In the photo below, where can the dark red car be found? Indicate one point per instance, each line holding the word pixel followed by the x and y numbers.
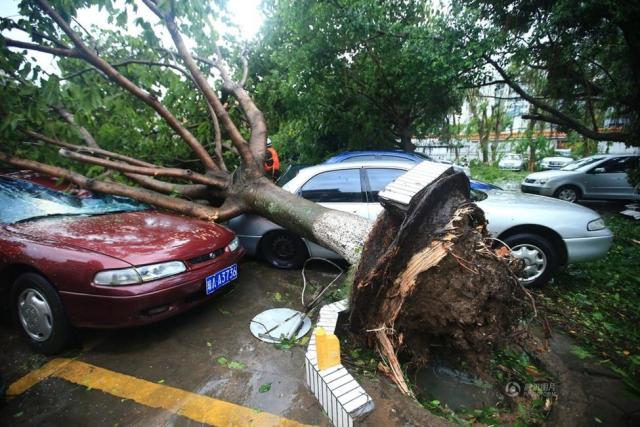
pixel 102 261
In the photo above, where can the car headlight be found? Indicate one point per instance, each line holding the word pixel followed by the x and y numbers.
pixel 158 271
pixel 125 276
pixel 233 245
pixel 145 273
pixel 596 224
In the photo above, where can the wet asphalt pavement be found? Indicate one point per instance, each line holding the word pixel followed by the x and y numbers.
pixel 185 353
pixel 181 352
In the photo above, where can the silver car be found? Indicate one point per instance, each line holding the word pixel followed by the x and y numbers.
pixel 545 232
pixel 603 176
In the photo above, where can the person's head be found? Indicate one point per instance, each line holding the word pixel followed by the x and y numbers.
pixel 269 143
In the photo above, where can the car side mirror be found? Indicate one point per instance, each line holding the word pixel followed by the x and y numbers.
pixel 599 170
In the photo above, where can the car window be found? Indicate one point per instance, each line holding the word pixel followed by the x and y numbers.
pixel 581 163
pixel 334 186
pixel 619 164
pixel 379 178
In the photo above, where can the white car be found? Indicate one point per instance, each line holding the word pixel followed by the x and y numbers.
pixel 545 232
pixel 511 162
pixel 555 162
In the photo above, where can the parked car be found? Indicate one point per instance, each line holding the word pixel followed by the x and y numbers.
pixel 603 176
pixel 102 262
pixel 555 162
pixel 545 232
pixel 511 162
pixel 390 155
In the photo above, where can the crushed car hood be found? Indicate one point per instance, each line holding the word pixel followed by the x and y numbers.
pixel 138 238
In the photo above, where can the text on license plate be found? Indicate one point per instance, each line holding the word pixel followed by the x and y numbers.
pixel 221 278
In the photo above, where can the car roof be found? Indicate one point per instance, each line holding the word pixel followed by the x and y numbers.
pixel 391 153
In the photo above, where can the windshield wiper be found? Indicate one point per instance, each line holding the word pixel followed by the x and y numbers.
pixel 38 217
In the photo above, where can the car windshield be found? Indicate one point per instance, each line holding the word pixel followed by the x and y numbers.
pixel 512 157
pixel 25 201
pixel 582 162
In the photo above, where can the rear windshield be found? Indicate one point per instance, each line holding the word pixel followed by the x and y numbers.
pixel 23 201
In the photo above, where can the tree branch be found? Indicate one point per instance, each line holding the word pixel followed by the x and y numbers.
pixel 84 133
pixel 57 51
pixel 127 84
pixel 150 171
pixel 192 191
pixel 254 116
pixel 211 97
pixel 179 205
pixel 592 134
pixel 91 150
pixel 133 61
pixel 556 116
pixel 217 138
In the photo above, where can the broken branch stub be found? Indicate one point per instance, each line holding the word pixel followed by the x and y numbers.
pixel 429 280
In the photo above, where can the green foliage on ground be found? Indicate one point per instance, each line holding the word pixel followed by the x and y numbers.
pixel 597 303
pixel 495 175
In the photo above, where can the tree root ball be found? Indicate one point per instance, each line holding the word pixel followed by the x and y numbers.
pixel 430 279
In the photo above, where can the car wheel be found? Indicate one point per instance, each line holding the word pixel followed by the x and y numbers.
pixel 284 250
pixel 568 193
pixel 539 255
pixel 40 314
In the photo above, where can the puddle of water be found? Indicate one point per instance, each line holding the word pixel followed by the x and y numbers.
pixel 455 388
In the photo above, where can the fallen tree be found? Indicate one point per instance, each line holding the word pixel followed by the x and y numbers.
pixel 431 278
pixel 226 193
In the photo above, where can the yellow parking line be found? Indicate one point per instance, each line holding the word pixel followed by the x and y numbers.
pixel 34 377
pixel 203 409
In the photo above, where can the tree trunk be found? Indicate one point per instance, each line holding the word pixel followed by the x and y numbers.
pixel 342 232
pixel 405 139
pixel 484 147
pixel 494 151
pixel 431 282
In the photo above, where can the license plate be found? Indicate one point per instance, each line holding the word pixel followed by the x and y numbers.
pixel 221 278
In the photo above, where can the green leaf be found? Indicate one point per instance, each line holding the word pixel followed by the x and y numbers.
pixel 222 360
pixel 265 388
pixel 236 365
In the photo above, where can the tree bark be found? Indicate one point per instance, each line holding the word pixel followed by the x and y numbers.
pixel 342 232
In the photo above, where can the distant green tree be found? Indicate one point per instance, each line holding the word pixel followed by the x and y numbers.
pixel 358 74
pixel 587 54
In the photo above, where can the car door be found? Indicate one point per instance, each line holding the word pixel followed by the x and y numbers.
pixel 375 181
pixel 608 180
pixel 339 189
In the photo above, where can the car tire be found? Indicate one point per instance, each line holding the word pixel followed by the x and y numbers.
pixel 40 314
pixel 539 254
pixel 568 193
pixel 282 249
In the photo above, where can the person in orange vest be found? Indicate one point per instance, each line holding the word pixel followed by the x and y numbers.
pixel 271 162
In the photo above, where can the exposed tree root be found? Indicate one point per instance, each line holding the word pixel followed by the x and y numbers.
pixel 430 279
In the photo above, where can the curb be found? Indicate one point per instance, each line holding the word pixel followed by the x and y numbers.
pixel 339 394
